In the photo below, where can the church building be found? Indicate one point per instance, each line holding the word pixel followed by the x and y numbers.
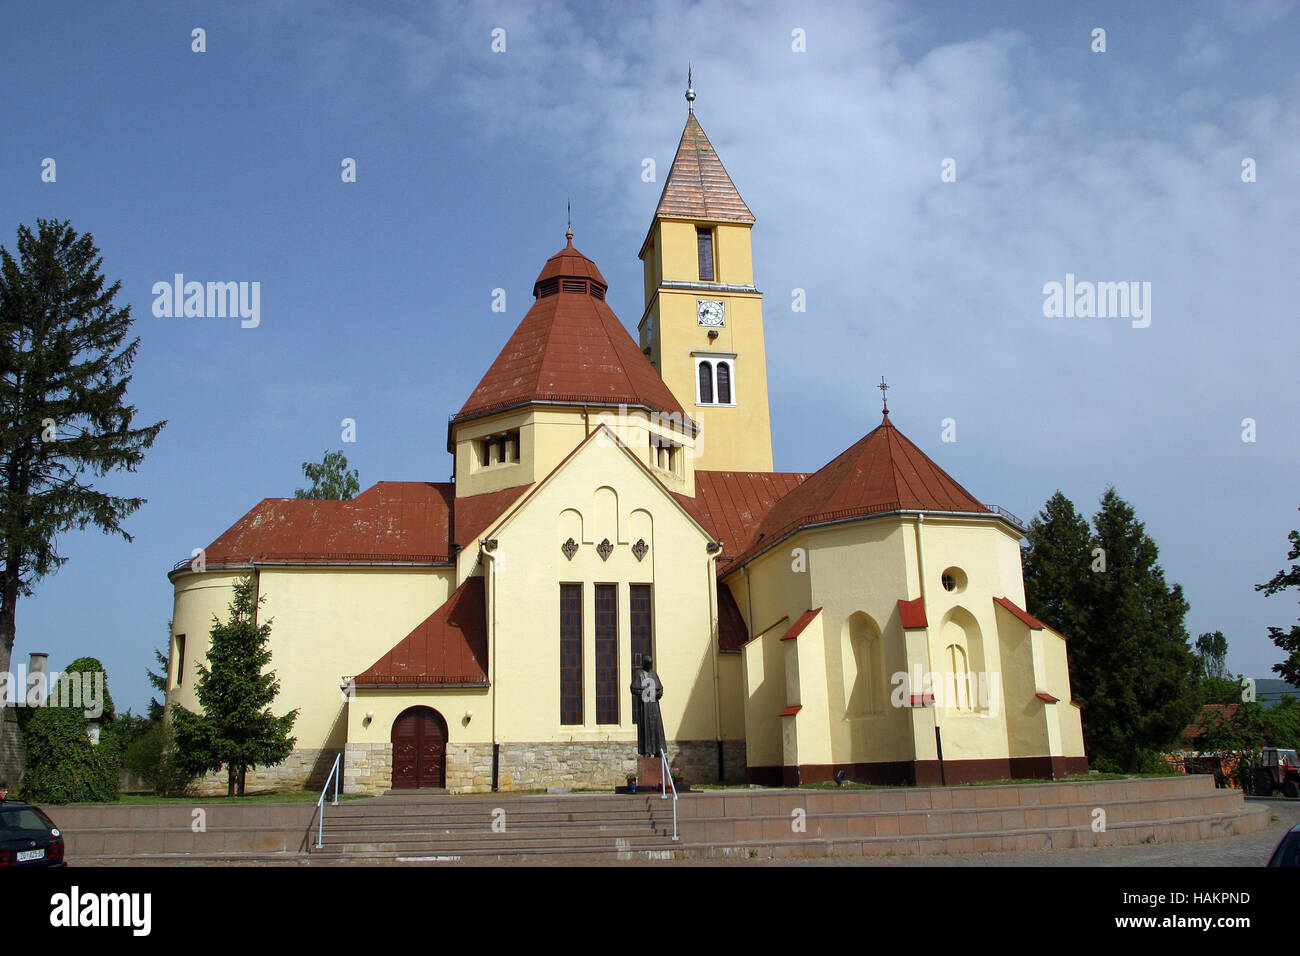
pixel 614 499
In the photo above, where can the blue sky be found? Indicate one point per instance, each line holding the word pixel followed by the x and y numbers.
pixel 376 295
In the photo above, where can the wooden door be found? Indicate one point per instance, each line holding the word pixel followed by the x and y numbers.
pixel 419 750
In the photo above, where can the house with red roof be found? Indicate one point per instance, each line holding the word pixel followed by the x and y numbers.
pixel 614 502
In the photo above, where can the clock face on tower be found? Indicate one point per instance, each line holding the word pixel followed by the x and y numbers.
pixel 712 313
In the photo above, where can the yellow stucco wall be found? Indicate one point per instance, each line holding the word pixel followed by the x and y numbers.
pixel 734 437
pixel 326 624
pixel 600 493
pixel 856 572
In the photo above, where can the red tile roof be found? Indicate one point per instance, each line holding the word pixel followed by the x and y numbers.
pixel 447 647
pixel 912 613
pixel 1198 728
pixel 698 186
pixel 399 521
pixel 732 633
pixel 882 472
pixel 1028 619
pixel 476 514
pixel 797 627
pixel 412 522
pixel 732 503
pixel 570 348
pixel 791 710
pixel 1046 697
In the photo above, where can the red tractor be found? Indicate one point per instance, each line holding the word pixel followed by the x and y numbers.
pixel 1279 770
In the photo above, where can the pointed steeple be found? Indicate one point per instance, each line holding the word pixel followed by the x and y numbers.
pixel 698 186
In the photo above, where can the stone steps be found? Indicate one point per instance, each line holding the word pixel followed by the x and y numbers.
pixel 416 827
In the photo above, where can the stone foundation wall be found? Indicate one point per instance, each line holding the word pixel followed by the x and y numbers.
pixel 582 764
pixel 301 770
pixel 469 767
pixel 13 755
pixel 368 768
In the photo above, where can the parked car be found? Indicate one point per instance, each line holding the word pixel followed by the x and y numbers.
pixel 1288 849
pixel 28 837
pixel 1279 770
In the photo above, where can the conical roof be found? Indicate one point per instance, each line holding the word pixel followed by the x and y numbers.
pixel 570 348
pixel 698 186
pixel 881 472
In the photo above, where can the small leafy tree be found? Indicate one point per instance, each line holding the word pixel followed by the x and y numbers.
pixel 1212 649
pixel 330 479
pixel 155 759
pixel 1287 641
pixel 236 729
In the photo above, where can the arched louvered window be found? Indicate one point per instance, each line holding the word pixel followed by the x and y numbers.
pixel 724 383
pixel 706 383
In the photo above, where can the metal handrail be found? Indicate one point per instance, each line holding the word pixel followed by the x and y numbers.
pixel 668 772
pixel 320 804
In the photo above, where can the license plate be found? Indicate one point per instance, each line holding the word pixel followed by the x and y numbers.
pixel 26 855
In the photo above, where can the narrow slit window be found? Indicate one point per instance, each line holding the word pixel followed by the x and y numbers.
pixel 570 653
pixel 724 383
pixel 704 243
pixel 607 687
pixel 706 383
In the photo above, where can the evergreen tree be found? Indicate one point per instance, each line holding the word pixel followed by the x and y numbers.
pixel 236 729
pixel 64 368
pixel 1145 692
pixel 158 708
pixel 1057 562
pixel 330 479
pixel 1288 642
pixel 1131 666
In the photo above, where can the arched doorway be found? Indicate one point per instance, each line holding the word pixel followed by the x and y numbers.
pixel 419 749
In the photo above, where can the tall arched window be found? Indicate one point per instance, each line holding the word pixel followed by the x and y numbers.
pixel 724 383
pixel 706 383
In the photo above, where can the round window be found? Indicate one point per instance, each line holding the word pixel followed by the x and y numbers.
pixel 954 580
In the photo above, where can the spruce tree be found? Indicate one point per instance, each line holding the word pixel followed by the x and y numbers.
pixel 1145 690
pixel 65 365
pixel 236 729
pixel 1057 563
pixel 1288 642
pixel 1131 666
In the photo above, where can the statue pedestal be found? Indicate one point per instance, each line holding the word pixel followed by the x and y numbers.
pixel 649 773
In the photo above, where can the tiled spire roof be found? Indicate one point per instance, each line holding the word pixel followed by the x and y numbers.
pixel 698 186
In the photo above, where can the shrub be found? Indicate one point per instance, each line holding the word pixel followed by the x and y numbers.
pixel 154 757
pixel 63 766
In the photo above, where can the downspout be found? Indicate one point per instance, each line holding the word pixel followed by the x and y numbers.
pixel 486 547
pixel 929 660
pixel 710 566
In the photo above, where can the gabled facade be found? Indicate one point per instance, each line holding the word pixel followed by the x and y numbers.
pixel 615 499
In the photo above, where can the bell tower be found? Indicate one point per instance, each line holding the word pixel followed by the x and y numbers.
pixel 702 328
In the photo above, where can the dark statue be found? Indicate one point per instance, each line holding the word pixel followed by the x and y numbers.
pixel 646 691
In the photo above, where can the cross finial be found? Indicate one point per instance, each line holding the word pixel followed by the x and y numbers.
pixel 690 90
pixel 568 233
pixel 884 399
